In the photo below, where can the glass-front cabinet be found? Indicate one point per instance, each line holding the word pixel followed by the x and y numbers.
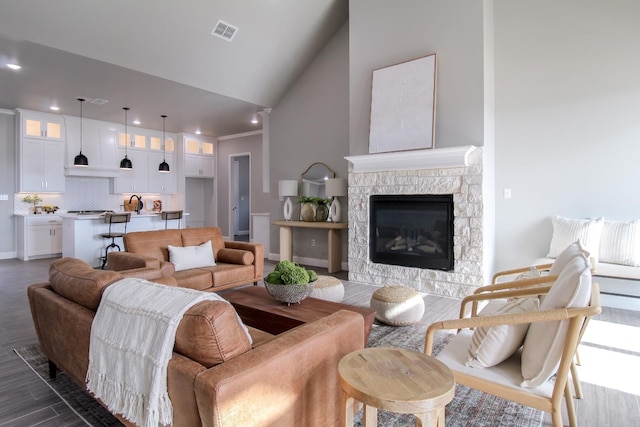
pixel 199 158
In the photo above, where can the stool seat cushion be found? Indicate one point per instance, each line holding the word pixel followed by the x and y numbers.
pixel 397 305
pixel 328 288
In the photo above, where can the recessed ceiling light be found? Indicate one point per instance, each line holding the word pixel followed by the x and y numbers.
pixel 54 108
pixel 198 132
pixel 254 120
pixel 136 122
pixel 14 66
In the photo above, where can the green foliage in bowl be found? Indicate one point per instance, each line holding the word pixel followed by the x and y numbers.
pixel 290 273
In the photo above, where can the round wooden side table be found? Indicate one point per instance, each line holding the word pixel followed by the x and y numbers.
pixel 396 380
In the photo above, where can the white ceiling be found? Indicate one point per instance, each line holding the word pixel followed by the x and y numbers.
pixel 159 57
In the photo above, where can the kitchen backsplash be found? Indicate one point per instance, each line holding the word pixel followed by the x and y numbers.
pixel 86 194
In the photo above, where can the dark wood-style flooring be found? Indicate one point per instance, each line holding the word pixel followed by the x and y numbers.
pixel 610 356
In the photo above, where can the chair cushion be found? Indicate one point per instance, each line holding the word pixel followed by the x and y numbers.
pixel 492 345
pixel 184 258
pixel 77 281
pixel 572 250
pixel 545 341
pixel 211 333
pixel 620 242
pixel 566 231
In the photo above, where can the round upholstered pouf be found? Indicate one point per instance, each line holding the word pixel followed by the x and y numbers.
pixel 397 305
pixel 328 288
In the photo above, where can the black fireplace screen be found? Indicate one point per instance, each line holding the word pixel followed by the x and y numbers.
pixel 412 230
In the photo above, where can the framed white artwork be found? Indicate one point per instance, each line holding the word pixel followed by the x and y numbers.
pixel 403 100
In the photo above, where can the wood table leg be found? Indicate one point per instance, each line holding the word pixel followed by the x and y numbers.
pixel 286 243
pixel 370 416
pixel 346 409
pixel 335 250
pixel 428 419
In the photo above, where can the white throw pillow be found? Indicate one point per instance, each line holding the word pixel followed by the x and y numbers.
pixel 620 242
pixel 566 255
pixel 492 345
pixel 567 231
pixel 544 342
pixel 188 257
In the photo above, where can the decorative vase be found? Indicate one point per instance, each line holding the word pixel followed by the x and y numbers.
pixel 322 213
pixel 308 211
pixel 289 293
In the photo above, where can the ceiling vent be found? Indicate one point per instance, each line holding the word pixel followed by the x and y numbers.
pixel 224 30
pixel 98 101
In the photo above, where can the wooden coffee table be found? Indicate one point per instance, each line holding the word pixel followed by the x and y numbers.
pixel 258 309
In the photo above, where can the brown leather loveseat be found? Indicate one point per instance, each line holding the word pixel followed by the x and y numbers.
pixel 237 263
pixel 215 377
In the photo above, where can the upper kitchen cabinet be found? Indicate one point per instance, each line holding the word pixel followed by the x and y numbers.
pixel 99 144
pixel 38 125
pixel 199 158
pixel 40 157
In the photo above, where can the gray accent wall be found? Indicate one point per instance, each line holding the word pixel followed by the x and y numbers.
pixel 7 184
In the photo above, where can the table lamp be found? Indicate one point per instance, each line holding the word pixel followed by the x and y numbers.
pixel 287 188
pixel 335 187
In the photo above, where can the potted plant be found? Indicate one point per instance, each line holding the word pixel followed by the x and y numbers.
pixel 314 208
pixel 33 198
pixel 289 282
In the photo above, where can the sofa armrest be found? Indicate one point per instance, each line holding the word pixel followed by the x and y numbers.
pixel 119 261
pixel 258 253
pixel 291 380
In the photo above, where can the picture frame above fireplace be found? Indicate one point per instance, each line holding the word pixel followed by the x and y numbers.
pixel 403 101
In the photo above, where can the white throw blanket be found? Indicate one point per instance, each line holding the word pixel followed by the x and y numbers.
pixel 132 338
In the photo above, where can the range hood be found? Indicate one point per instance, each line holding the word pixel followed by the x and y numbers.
pixel 91 171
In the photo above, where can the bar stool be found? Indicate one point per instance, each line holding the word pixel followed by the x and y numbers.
pixel 114 218
pixel 171 215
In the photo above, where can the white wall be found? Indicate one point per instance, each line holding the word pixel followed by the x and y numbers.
pixel 384 33
pixel 311 124
pixel 7 184
pixel 567 117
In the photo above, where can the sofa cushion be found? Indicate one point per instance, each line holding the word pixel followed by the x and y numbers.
pixel 210 333
pixel 566 231
pixel 620 242
pixel 224 274
pixel 197 236
pixel 186 257
pixel 544 342
pixel 236 256
pixel 152 243
pixel 77 281
pixel 194 278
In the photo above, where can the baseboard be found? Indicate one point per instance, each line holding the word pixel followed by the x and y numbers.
pixel 8 255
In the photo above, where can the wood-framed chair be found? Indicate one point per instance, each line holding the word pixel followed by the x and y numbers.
pixel 504 380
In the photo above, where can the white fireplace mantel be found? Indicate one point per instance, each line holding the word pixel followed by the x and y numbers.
pixel 437 158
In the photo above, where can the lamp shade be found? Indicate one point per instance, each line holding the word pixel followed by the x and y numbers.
pixel 335 187
pixel 287 187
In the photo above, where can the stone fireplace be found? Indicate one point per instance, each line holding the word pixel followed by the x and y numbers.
pixel 456 171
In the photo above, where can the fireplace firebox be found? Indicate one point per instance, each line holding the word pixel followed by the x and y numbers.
pixel 412 230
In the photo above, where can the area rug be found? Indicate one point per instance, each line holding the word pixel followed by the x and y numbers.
pixel 468 408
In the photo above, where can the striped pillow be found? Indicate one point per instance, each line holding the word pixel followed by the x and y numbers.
pixel 492 345
pixel 566 231
pixel 620 242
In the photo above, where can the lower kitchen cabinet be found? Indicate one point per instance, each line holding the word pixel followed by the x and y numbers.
pixel 39 236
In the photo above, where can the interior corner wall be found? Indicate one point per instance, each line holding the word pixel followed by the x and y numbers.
pixel 384 33
pixel 7 184
pixel 226 148
pixel 310 124
pixel 567 118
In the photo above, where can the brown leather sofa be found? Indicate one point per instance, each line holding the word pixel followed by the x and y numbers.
pixel 237 263
pixel 215 377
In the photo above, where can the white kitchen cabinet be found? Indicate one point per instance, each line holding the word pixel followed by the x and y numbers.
pixel 162 182
pixel 199 158
pixel 38 125
pixel 41 166
pixel 135 180
pixel 39 236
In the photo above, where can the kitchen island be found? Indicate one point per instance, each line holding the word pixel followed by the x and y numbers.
pixel 81 234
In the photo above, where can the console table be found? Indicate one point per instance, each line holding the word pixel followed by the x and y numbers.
pixel 334 230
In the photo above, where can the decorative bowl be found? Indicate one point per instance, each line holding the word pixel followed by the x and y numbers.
pixel 289 293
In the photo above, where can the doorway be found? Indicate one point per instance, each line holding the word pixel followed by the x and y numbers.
pixel 240 196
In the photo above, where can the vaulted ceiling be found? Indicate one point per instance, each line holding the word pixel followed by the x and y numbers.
pixel 160 57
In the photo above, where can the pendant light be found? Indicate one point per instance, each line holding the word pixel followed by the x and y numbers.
pixel 126 163
pixel 81 160
pixel 164 166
